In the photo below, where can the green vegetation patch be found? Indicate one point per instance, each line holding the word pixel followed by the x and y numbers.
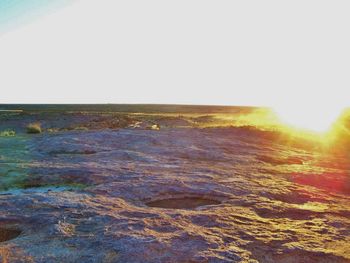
pixel 7 133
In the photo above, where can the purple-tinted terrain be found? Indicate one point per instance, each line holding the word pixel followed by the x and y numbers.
pixel 141 183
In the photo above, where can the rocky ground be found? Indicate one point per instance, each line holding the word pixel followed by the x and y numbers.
pixel 168 188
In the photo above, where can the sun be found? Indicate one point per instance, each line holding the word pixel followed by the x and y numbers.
pixel 308 117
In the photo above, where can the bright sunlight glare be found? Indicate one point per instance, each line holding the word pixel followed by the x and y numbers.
pixel 308 117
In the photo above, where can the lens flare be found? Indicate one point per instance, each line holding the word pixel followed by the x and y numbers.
pixel 311 118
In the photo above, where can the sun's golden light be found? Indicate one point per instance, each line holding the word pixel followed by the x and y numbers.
pixel 309 117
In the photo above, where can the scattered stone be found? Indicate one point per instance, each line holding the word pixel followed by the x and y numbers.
pixel 63 228
pixel 53 130
pixel 155 127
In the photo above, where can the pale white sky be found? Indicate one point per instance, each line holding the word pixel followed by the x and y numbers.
pixel 183 51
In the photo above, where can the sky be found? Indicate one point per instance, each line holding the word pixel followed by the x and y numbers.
pixel 269 53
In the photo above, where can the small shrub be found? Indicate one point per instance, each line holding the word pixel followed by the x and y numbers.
pixel 7 133
pixel 34 127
